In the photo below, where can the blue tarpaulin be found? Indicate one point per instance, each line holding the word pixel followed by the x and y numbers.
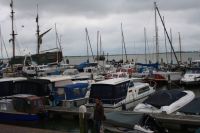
pixel 75 91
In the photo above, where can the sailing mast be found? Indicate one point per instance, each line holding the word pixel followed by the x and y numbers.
pixel 13 32
pixel 165 44
pixel 88 39
pixel 38 33
pixel 172 43
pixel 180 47
pixel 156 34
pixel 97 47
pixel 123 44
pixel 145 41
pixel 167 34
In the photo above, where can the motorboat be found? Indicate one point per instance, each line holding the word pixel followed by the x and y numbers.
pixel 119 93
pixel 22 107
pixel 165 101
pixel 192 76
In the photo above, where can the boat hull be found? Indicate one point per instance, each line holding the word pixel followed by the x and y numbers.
pixel 15 117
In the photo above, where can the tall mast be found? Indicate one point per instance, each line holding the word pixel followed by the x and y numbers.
pixel 172 43
pixel 13 32
pixel 156 34
pixel 167 36
pixel 145 41
pixel 123 44
pixel 38 33
pixel 180 47
pixel 100 52
pixel 165 42
pixel 97 46
pixel 86 37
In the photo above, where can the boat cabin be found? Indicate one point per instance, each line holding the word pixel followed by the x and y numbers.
pixel 119 93
pixel 56 86
pixel 22 103
pixel 76 94
pixel 7 85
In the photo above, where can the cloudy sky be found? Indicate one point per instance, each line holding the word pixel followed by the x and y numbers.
pixel 73 16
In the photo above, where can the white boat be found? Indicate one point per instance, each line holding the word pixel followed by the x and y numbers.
pixel 119 93
pixel 192 76
pixel 166 101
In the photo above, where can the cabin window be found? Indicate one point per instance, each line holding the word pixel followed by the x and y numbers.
pixel 3 106
pixel 144 89
pixel 61 91
pixel 131 84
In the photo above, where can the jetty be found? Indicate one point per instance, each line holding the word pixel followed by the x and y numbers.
pixel 19 129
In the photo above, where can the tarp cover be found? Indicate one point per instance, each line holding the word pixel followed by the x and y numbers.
pixel 164 97
pixel 75 91
pixel 192 108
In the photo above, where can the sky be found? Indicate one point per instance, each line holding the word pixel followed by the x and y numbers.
pixel 71 17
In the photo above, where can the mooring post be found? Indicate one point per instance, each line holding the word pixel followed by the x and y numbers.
pixel 83 119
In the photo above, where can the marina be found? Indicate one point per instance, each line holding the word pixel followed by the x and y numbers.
pixel 154 89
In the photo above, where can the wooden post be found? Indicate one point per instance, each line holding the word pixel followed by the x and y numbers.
pixel 83 119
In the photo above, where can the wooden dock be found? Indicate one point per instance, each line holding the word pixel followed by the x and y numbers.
pixel 193 120
pixel 18 129
pixel 66 112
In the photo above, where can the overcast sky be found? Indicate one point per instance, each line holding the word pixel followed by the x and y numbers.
pixel 72 16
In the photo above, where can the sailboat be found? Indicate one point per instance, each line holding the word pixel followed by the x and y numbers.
pixel 51 56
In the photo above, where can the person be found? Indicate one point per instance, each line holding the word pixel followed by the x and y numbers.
pixel 98 114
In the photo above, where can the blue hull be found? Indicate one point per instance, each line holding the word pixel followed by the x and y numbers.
pixel 14 117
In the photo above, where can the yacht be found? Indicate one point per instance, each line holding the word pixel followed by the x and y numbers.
pixel 119 93
pixel 166 101
pixel 192 76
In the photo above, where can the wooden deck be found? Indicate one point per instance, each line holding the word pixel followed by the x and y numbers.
pixel 178 119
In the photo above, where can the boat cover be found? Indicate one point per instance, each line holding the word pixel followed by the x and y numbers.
pixel 75 91
pixel 192 108
pixel 164 97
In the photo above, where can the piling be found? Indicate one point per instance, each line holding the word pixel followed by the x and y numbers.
pixel 83 119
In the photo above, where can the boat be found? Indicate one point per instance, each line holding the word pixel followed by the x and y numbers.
pixel 76 94
pixel 119 93
pixel 165 101
pixel 192 108
pixel 130 122
pixel 192 76
pixel 22 107
pixel 7 85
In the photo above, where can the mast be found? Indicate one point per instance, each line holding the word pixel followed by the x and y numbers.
pixel 87 45
pixel 123 44
pixel 165 42
pixel 13 32
pixel 171 48
pixel 167 35
pixel 156 34
pixel 88 39
pixel 100 52
pixel 180 46
pixel 38 33
pixel 97 46
pixel 145 41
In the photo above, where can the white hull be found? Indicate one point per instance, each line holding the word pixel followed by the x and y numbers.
pixel 146 108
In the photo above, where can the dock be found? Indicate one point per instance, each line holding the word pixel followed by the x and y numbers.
pixel 19 129
pixel 65 112
pixel 193 120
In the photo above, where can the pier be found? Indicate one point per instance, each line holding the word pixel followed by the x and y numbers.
pixel 18 129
